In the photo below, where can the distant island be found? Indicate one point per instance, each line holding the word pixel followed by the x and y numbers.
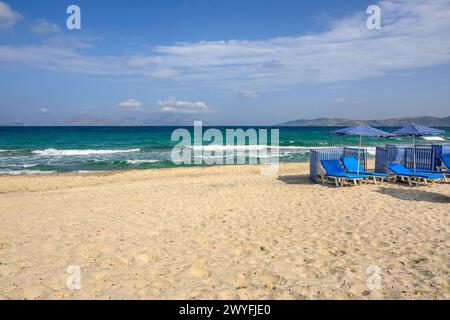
pixel 394 122
pixel 129 122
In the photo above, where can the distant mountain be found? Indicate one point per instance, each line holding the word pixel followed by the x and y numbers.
pixel 155 119
pixel 11 123
pixel 395 122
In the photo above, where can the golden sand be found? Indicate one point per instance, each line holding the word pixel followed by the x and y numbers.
pixel 221 233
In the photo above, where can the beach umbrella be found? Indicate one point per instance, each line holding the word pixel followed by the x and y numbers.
pixel 416 130
pixel 361 130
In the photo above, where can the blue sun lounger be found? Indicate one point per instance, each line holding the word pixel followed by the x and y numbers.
pixel 413 177
pixel 445 159
pixel 335 173
pixel 351 165
pixel 444 173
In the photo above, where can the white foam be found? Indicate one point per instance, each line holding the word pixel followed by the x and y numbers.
pixel 433 138
pixel 55 152
pixel 24 172
pixel 214 147
pixel 370 150
pixel 86 171
pixel 19 165
pixel 142 161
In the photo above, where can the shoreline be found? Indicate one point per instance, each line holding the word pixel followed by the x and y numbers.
pixel 113 171
pixel 113 158
pixel 370 159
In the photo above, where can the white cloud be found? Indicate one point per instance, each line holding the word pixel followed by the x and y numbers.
pixel 163 73
pixel 43 27
pixel 130 104
pixel 341 99
pixel 43 110
pixel 59 58
pixel 248 94
pixel 172 105
pixel 8 17
pixel 414 34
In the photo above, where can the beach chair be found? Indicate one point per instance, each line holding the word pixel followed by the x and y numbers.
pixel 335 173
pixel 399 171
pixel 444 173
pixel 351 165
pixel 445 159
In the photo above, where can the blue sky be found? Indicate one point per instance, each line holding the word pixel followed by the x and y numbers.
pixel 228 62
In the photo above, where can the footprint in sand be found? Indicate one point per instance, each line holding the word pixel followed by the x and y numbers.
pixel 196 270
pixel 144 259
pixel 270 280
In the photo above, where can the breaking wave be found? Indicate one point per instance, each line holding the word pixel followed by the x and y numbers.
pixel 142 161
pixel 56 152
pixel 24 172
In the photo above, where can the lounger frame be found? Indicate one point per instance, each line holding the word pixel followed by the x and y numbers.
pixel 411 180
pixel 339 181
pixel 444 166
pixel 389 178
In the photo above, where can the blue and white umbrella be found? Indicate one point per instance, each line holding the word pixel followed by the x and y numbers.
pixel 416 130
pixel 362 130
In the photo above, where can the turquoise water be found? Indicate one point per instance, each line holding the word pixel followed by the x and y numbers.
pixel 29 150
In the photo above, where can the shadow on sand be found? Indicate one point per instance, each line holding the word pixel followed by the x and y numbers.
pixel 415 195
pixel 296 179
pixel 303 179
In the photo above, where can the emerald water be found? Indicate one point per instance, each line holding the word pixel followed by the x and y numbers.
pixel 28 150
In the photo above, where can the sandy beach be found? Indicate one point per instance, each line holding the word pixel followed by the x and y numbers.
pixel 220 233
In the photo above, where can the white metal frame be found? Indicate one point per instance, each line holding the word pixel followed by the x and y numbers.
pixel 416 180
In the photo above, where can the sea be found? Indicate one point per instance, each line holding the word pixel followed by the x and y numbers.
pixel 49 150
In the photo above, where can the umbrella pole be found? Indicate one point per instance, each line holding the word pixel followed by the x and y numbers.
pixel 414 150
pixel 359 152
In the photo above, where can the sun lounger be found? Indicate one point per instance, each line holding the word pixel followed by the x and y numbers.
pixel 413 177
pixel 445 173
pixel 351 165
pixel 445 166
pixel 335 173
pixel 445 159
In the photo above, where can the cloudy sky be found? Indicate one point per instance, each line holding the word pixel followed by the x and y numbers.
pixel 226 61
